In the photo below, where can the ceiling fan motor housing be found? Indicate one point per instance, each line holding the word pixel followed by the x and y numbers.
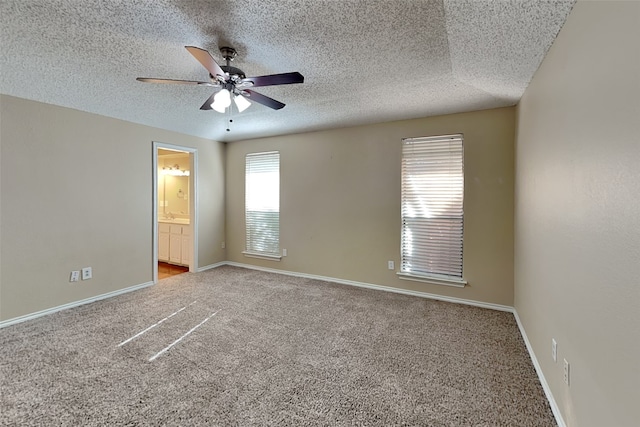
pixel 233 71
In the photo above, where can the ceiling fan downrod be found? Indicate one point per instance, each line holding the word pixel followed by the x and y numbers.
pixel 228 53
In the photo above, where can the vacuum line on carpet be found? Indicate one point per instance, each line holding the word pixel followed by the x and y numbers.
pixel 154 325
pixel 182 337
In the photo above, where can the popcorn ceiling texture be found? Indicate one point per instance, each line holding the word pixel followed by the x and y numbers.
pixel 364 61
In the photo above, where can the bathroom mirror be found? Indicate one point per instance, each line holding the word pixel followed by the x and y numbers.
pixel 173 186
pixel 176 195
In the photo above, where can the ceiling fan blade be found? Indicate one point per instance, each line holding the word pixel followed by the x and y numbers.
pixel 205 58
pixel 276 79
pixel 182 82
pixel 208 102
pixel 262 99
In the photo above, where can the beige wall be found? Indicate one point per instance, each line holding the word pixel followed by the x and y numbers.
pixel 577 214
pixel 340 202
pixel 77 192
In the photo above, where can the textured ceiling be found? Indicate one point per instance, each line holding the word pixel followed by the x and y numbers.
pixel 364 61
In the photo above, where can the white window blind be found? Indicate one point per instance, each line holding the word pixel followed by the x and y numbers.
pixel 432 207
pixel 262 203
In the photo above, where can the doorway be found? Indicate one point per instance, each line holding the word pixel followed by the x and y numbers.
pixel 175 226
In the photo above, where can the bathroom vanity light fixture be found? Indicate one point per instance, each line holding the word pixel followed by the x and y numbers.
pixel 174 171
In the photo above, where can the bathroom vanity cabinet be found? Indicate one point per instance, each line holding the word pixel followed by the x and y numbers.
pixel 174 243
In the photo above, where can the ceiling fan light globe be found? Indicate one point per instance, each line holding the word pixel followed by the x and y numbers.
pixel 218 107
pixel 242 103
pixel 222 98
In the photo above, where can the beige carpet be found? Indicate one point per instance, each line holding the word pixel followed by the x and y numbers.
pixel 236 347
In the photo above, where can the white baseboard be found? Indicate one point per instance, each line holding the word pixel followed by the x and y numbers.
pixel 37 314
pixel 545 386
pixel 211 266
pixel 491 306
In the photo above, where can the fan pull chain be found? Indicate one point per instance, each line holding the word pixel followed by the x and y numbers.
pixel 230 120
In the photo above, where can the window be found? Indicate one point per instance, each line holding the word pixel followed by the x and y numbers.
pixel 432 209
pixel 262 204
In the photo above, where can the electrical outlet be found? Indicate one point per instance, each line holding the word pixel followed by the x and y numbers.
pixel 87 273
pixel 566 372
pixel 284 252
pixel 75 275
pixel 222 245
pixel 554 350
pixel 391 265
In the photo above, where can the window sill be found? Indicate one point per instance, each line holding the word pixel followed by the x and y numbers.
pixel 262 256
pixel 434 280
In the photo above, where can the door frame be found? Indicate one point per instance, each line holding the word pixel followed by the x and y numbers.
pixel 193 202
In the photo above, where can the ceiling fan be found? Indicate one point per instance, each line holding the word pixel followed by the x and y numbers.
pixel 231 81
